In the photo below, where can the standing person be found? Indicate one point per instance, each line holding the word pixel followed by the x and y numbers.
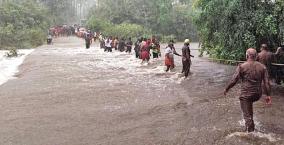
pixel 145 51
pixel 155 46
pixel 108 42
pixel 121 45
pixel 169 56
pixel 266 57
pixel 186 58
pixel 102 41
pixel 88 40
pixel 129 44
pixel 252 75
pixel 137 47
pixel 279 70
pixel 156 50
pixel 49 39
pixel 115 43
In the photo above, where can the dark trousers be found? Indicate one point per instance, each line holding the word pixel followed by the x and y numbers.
pixel 87 45
pixel 168 68
pixel 186 67
pixel 247 109
pixel 128 49
pixel 109 49
pixel 137 54
pixel 155 55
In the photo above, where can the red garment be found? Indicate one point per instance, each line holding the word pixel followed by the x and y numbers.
pixel 169 61
pixel 145 54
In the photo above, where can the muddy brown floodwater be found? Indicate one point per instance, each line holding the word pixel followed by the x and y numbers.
pixel 67 95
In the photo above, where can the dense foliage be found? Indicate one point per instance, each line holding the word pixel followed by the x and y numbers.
pixel 161 17
pixel 23 25
pixel 123 30
pixel 228 27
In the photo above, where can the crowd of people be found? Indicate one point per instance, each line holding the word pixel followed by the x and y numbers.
pixel 144 48
pixel 255 74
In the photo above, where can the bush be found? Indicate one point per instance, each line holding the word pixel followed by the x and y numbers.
pixel 166 39
pixel 23 25
pixel 228 27
pixel 123 30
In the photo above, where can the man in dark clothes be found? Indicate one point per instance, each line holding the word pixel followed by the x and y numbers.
pixel 186 58
pixel 121 45
pixel 137 47
pixel 88 41
pixel 129 44
pixel 253 75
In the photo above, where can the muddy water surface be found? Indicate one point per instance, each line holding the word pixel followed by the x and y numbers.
pixel 67 95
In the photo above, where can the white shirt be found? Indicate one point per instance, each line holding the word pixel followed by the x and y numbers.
pixel 108 44
pixel 170 52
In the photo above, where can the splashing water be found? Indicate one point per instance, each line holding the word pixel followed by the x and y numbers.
pixel 269 136
pixel 9 66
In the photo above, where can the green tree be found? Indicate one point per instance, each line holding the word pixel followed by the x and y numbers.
pixel 161 17
pixel 228 27
pixel 23 24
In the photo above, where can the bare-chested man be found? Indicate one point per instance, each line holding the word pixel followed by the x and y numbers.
pixel 252 75
pixel 265 57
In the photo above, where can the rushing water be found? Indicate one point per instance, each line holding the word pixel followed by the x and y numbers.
pixel 9 66
pixel 80 96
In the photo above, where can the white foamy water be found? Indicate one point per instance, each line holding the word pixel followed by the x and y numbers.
pixel 118 61
pixel 9 66
pixel 269 136
pixel 256 123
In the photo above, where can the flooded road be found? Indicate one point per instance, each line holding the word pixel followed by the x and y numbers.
pixel 67 95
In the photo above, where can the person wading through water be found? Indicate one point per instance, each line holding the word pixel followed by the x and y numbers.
pixel 115 43
pixel 186 58
pixel 169 56
pixel 88 40
pixel 129 44
pixel 108 43
pixel 254 78
pixel 102 41
pixel 137 47
pixel 155 46
pixel 266 57
pixel 145 51
pixel 121 45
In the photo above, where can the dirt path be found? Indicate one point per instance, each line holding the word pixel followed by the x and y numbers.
pixel 67 95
